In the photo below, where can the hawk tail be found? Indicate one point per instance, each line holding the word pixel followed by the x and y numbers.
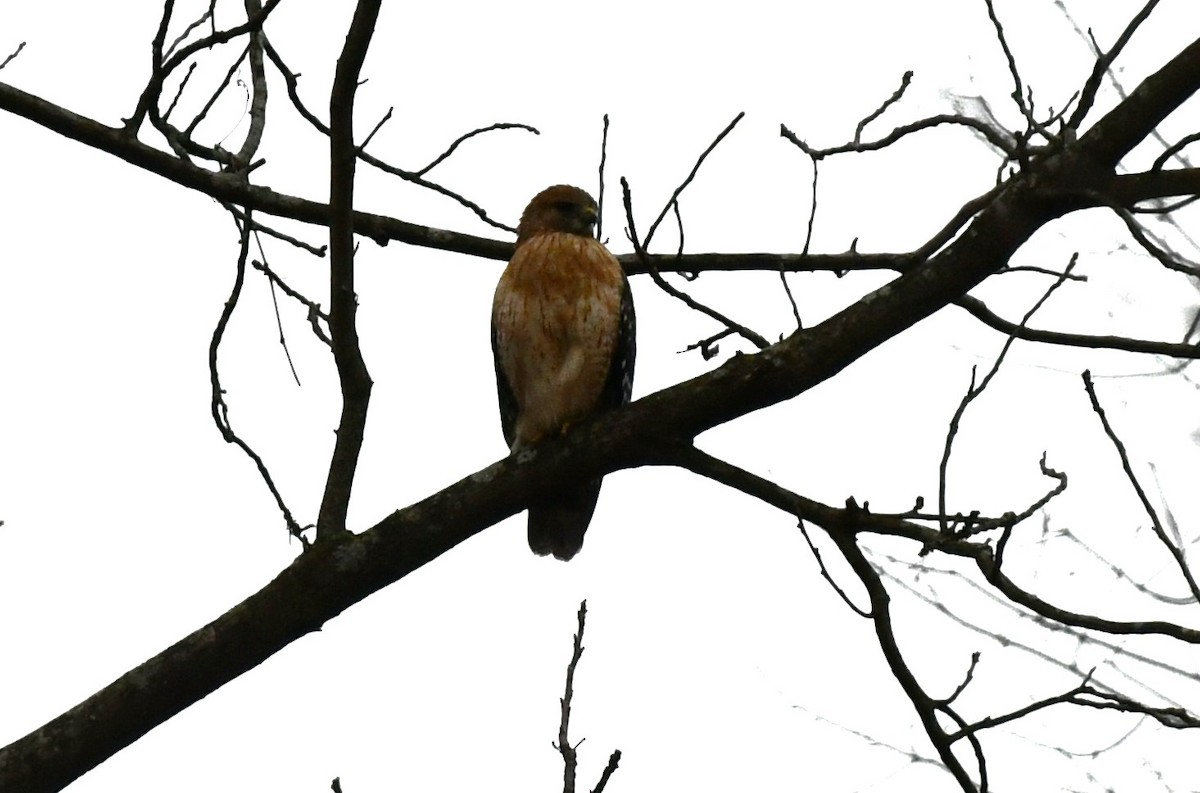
pixel 557 524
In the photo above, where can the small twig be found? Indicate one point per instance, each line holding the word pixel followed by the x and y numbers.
pixel 692 175
pixel 1155 522
pixel 207 15
pixel 215 95
pixel 974 392
pixel 564 743
pixel 290 79
pixel 462 138
pixel 1160 160
pixel 600 190
pixel 315 250
pixel 386 117
pixel 613 760
pixel 1141 236
pixel 978 309
pixel 963 685
pixel 220 410
pixel 179 91
pixel 925 707
pixel 708 347
pixel 1018 94
pixel 816 552
pixel 14 54
pixel 639 248
pixel 1103 64
pixel 993 137
pixel 879 111
pixel 275 303
pixel 1030 268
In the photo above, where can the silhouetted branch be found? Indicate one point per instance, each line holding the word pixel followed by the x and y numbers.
pixel 563 744
pixel 353 378
pixel 13 54
pixel 1175 551
pixel 220 410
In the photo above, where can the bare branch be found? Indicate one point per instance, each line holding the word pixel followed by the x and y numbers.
pixel 974 392
pixel 980 311
pixel 291 81
pixel 353 377
pixel 993 137
pixel 688 180
pixel 879 111
pixel 1175 551
pixel 220 410
pixel 600 186
pixel 13 54
pixel 613 760
pixel 564 742
pixel 1103 64
pixel 687 300
pixel 207 15
pixel 467 136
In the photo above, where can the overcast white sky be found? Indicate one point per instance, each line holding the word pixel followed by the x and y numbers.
pixel 716 656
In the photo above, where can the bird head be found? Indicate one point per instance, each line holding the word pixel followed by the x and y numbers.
pixel 560 208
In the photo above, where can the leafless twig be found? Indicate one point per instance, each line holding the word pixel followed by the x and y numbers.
pixel 14 54
pixel 973 392
pixel 220 410
pixel 1175 551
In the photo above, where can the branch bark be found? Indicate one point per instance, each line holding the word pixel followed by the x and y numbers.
pixel 353 377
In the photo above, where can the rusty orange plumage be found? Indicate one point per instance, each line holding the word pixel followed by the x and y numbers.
pixel 563 340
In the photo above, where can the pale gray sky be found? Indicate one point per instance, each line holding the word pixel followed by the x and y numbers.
pixel 716 657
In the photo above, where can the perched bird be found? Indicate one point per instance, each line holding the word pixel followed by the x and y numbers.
pixel 563 341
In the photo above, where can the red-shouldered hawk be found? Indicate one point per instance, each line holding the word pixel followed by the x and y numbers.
pixel 563 340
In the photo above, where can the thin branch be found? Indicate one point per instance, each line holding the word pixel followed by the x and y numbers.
pixel 879 111
pixel 974 392
pixel 1155 522
pixel 816 552
pixel 688 180
pixel 275 304
pixel 467 136
pixel 258 89
pixel 600 186
pixel 220 410
pixel 1103 64
pixel 613 760
pixel 564 742
pixel 190 129
pixel 993 137
pixel 291 81
pixel 353 377
pixel 638 246
pixel 207 15
pixel 14 54
pixel 1018 94
pixel 881 617
pixel 378 126
pixel 183 84
pixel 978 309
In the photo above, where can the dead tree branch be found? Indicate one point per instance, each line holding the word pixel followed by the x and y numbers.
pixel 353 377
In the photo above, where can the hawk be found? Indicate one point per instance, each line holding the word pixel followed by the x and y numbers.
pixel 563 343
